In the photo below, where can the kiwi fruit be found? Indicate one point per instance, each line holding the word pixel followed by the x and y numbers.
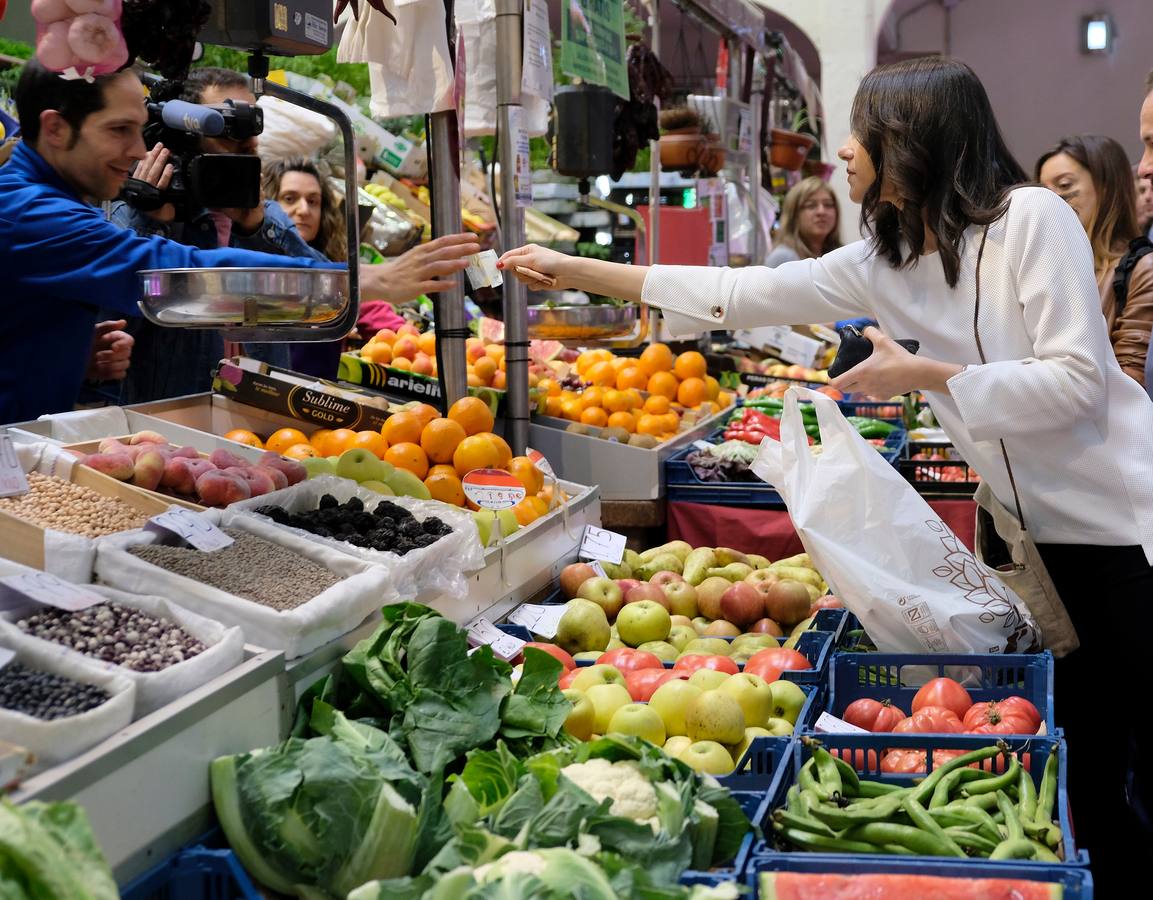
pixel 644 441
pixel 615 434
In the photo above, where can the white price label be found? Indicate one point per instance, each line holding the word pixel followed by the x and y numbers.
pixel 598 568
pixel 46 589
pixel 538 460
pixel 703 445
pixel 13 481
pixel 6 656
pixel 607 546
pixel 796 348
pixel 191 527
pixel 507 647
pixel 540 620
pixel 827 724
pixel 493 489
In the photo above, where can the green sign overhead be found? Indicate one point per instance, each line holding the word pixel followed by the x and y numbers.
pixel 593 43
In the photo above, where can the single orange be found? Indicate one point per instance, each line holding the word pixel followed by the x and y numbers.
pixel 339 441
pixel 650 424
pixel 601 374
pixel 620 363
pixel 525 512
pixel 475 452
pixel 402 428
pixel 664 384
pixel 283 438
pixel 625 420
pixel 440 439
pixel 317 439
pixel 552 406
pixel 522 468
pixel 690 364
pixel 656 358
pixel 373 441
pixel 427 343
pixel 657 405
pixel 713 386
pixel 400 362
pixel 540 504
pixel 408 456
pixel 616 401
pixel 585 360
pixel 504 451
pixel 593 396
pixel 441 469
pixel 571 409
pixel 632 377
pixel 692 392
pixel 299 451
pixel 594 415
pixel 672 423
pixel 550 386
pixel 445 487
pixel 244 436
pixel 636 400
pixel 724 398
pixel 472 414
pixel 484 369
pixel 426 412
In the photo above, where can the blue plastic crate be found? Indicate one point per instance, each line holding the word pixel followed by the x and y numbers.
pixel 831 620
pixel 854 636
pixel 195 873
pixel 865 751
pixel 1076 882
pixel 896 677
pixel 769 761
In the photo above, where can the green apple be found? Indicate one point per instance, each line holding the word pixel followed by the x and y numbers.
pixel 615 643
pixel 638 719
pixel 700 623
pixel 680 635
pixel 756 642
pixel 753 694
pixel 663 650
pixel 708 679
pixel 707 647
pixel 788 699
pixel 671 700
pixel 582 718
pixel 508 523
pixel 751 734
pixel 599 674
pixel 606 700
pixel 380 487
pixel 715 716
pixel 582 626
pixel 643 621
pixel 780 727
pixel 801 626
pixel 318 465
pixel 406 484
pixel 484 519
pixel 675 745
pixel 709 757
pixel 360 465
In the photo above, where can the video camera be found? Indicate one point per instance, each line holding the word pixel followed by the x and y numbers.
pixel 200 180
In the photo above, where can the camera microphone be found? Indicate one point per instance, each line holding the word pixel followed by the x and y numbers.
pixel 192 117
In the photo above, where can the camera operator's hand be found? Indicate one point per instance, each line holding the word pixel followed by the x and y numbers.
pixel 157 171
pixel 247 221
pixel 426 269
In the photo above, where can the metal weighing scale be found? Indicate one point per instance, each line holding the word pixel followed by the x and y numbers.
pixel 270 304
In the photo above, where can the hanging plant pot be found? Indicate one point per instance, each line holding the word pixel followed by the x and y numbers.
pixel 712 158
pixel 822 170
pixel 681 151
pixel 790 148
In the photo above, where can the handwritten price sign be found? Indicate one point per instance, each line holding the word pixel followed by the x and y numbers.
pixel 47 589
pixel 493 489
pixel 190 527
pixel 13 481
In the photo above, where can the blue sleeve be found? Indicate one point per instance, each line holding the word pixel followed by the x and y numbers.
pixel 129 217
pixel 70 251
pixel 277 234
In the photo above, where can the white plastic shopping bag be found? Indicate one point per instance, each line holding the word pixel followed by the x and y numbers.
pixel 892 561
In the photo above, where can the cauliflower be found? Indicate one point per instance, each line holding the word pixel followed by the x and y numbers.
pixel 632 795
pixel 516 861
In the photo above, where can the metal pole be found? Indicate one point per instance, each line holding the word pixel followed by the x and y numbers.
pixel 756 109
pixel 655 149
pixel 444 186
pixel 509 62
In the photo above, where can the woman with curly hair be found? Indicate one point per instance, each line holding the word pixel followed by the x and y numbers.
pixel 309 200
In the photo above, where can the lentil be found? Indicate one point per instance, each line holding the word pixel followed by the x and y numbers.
pixel 249 567
pixel 389 527
pixel 45 695
pixel 52 502
pixel 117 634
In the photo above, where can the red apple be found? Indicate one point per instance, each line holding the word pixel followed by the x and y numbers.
pixel 626 585
pixel 742 604
pixel 665 578
pixel 682 598
pixel 787 602
pixel 721 628
pixel 646 591
pixel 709 594
pixel 553 650
pixel 572 577
pixel 826 602
pixel 605 593
pixel 766 626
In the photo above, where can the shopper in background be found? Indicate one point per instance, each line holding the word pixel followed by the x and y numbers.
pixel 1091 173
pixel 1144 189
pixel 810 223
pixel 1026 378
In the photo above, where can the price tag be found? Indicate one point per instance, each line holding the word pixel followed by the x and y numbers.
pixel 598 568
pixel 46 589
pixel 603 545
pixel 6 656
pixel 796 348
pixel 832 725
pixel 507 647
pixel 13 481
pixel 703 445
pixel 190 527
pixel 493 489
pixel 538 460
pixel 541 620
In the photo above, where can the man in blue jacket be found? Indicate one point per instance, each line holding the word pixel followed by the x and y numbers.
pixel 60 259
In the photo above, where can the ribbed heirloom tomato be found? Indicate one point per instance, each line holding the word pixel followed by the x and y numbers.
pixel 872 715
pixel 995 718
pixel 930 720
pixel 912 762
pixel 943 692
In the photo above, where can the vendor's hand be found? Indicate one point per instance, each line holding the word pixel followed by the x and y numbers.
pixel 155 169
pixel 889 371
pixel 538 260
pixel 427 269
pixel 111 352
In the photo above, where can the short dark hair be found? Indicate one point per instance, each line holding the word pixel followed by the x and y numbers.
pixel 200 80
pixel 929 128
pixel 40 89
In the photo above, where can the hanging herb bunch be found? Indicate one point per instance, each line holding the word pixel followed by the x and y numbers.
pixel 636 121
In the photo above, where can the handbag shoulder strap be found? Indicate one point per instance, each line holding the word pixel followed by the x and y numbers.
pixel 981 354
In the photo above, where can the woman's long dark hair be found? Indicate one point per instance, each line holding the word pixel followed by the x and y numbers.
pixel 930 131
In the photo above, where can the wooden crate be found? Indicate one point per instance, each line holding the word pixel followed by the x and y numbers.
pixel 86 447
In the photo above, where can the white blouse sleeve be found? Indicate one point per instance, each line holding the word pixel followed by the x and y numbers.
pixel 1063 381
pixel 800 292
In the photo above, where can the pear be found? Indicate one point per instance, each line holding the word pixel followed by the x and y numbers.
pixel 797 573
pixel 617 570
pixel 801 559
pixel 662 562
pixel 407 485
pixel 737 571
pixel 697 565
pixel 632 559
pixel 726 555
pixel 583 627
pixel 679 549
pixel 758 562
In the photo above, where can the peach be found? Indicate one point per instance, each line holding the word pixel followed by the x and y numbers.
pixel 219 488
pixel 423 364
pixel 405 348
pixel 148 470
pixel 279 479
pixel 293 470
pixel 186 452
pixel 224 459
pixel 147 437
pixel 117 465
pixel 259 483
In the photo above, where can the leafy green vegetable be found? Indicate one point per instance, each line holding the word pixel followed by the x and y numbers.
pixel 318 817
pixel 47 850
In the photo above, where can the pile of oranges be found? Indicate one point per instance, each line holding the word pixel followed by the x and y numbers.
pixel 408 349
pixel 438 450
pixel 615 397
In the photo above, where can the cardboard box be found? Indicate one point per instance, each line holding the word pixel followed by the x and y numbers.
pixel 408 386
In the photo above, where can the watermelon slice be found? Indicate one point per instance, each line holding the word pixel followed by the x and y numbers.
pixel 544 351
pixel 820 886
pixel 491 331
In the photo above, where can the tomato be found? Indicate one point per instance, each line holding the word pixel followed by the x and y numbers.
pixel 1021 706
pixel 695 661
pixel 912 762
pixel 553 650
pixel 780 658
pixel 943 692
pixel 858 758
pixel 931 720
pixel 643 683
pixel 566 679
pixel 764 669
pixel 872 715
pixel 626 659
pixel 992 718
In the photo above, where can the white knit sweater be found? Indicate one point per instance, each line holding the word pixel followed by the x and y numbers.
pixel 1078 431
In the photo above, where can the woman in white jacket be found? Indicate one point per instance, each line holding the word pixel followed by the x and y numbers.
pixel 1031 369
